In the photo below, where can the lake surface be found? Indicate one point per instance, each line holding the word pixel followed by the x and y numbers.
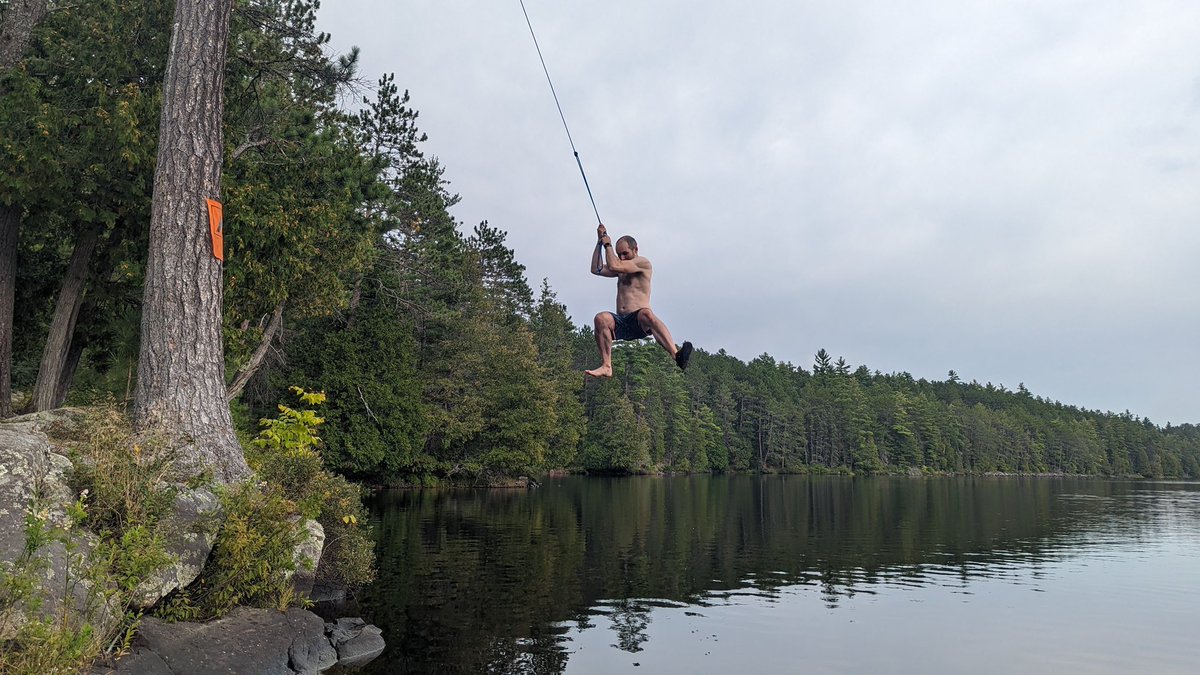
pixel 790 574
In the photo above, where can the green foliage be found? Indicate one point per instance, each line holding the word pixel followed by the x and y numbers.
pixel 295 181
pixel 128 479
pixel 250 561
pixel 133 556
pixel 349 557
pixel 376 420
pixel 78 126
pixel 286 458
pixel 503 278
pixel 253 557
pixel 553 337
pixel 774 417
pixel 617 441
pixel 338 218
pixel 294 431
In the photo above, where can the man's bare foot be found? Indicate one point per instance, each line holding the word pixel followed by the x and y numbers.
pixel 602 371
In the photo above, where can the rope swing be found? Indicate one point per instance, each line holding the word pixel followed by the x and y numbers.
pixel 560 112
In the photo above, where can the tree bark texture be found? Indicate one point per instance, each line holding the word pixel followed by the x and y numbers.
pixel 181 366
pixel 68 372
pixel 62 326
pixel 256 359
pixel 10 224
pixel 21 17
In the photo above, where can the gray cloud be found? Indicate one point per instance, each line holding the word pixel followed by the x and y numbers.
pixel 1008 189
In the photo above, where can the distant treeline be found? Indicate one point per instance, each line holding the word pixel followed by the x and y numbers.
pixel 344 271
pixel 725 414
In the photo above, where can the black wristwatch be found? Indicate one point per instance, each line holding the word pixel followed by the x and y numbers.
pixel 608 243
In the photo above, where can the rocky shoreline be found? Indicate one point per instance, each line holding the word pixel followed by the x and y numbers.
pixel 251 641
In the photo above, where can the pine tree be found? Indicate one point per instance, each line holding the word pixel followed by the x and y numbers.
pixel 181 369
pixel 616 441
pixel 553 335
pixel 376 422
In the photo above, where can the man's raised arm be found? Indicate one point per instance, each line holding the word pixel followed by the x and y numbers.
pixel 598 267
pixel 615 266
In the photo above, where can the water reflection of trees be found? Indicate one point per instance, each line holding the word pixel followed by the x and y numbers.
pixel 492 580
pixel 630 619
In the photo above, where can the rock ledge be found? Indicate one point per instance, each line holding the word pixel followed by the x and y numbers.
pixel 250 641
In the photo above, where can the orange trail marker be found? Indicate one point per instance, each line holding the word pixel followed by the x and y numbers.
pixel 216 226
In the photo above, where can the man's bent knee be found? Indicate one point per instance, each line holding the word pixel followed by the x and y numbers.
pixel 605 321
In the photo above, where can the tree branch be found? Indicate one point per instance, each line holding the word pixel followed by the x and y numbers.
pixel 256 359
pixel 364 400
pixel 247 145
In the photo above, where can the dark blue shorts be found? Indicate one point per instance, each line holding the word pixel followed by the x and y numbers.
pixel 628 327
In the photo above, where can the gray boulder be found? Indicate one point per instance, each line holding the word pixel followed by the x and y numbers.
pixel 324 591
pixel 312 656
pixel 190 531
pixel 356 641
pixel 251 641
pixel 66 419
pixel 33 481
pixel 30 465
pixel 306 557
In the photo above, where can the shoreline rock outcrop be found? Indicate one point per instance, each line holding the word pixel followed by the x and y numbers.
pixel 250 641
pixel 33 484
pixel 34 474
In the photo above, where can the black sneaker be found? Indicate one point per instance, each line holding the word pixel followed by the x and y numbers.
pixel 682 356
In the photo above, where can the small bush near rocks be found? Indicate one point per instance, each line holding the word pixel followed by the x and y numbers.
pixel 253 556
pixel 285 453
pixel 250 561
pixel 129 479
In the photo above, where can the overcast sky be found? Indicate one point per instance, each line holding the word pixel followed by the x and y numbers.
pixel 1009 189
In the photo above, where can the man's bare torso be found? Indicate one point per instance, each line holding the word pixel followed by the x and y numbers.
pixel 633 289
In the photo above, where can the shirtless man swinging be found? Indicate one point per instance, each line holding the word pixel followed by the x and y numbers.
pixel 633 319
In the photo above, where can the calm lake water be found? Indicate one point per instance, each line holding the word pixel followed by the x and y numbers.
pixel 790 574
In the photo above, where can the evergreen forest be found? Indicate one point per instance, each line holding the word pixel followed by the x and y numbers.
pixel 346 273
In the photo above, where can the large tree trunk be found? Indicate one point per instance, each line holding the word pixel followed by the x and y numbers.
pixel 16 31
pixel 68 372
pixel 10 223
pixel 21 17
pixel 260 354
pixel 181 367
pixel 62 326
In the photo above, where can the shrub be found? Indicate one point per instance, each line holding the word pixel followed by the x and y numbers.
pixel 285 454
pixel 128 478
pixel 253 556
